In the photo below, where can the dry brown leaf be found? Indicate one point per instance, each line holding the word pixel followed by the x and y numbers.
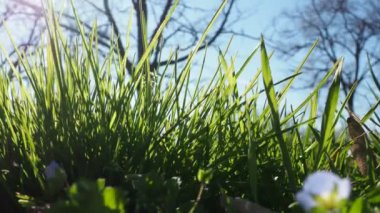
pixel 358 135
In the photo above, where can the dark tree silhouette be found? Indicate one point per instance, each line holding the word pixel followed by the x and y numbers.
pixel 181 33
pixel 348 28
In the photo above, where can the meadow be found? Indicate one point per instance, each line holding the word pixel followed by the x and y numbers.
pixel 78 134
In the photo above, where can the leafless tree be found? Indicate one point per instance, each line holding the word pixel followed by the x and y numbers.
pixel 112 16
pixel 348 28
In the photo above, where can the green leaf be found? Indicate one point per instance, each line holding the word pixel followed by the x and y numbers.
pixel 113 199
pixel 357 206
pixel 204 175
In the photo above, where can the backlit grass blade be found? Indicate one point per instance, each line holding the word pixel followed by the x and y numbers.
pixel 370 112
pixel 252 155
pixel 246 62
pixel 374 78
pixel 352 90
pixel 313 114
pixel 327 128
pixel 286 88
pixel 272 101
pixel 153 43
pixel 312 93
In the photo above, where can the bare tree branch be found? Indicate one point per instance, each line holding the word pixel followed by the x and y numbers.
pixel 212 39
pixel 165 12
pixel 115 28
pixel 182 32
pixel 345 28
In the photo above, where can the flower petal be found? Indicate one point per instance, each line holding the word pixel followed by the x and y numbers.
pixel 305 200
pixel 50 170
pixel 321 183
pixel 344 188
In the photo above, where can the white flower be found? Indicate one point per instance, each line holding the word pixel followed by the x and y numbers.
pixel 51 169
pixel 323 189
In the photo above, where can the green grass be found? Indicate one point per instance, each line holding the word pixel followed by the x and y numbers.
pixel 150 136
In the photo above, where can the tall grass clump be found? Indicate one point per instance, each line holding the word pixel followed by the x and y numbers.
pixel 150 143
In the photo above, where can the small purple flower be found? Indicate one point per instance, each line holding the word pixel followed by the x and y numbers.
pixel 323 189
pixel 51 169
pixel 56 179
